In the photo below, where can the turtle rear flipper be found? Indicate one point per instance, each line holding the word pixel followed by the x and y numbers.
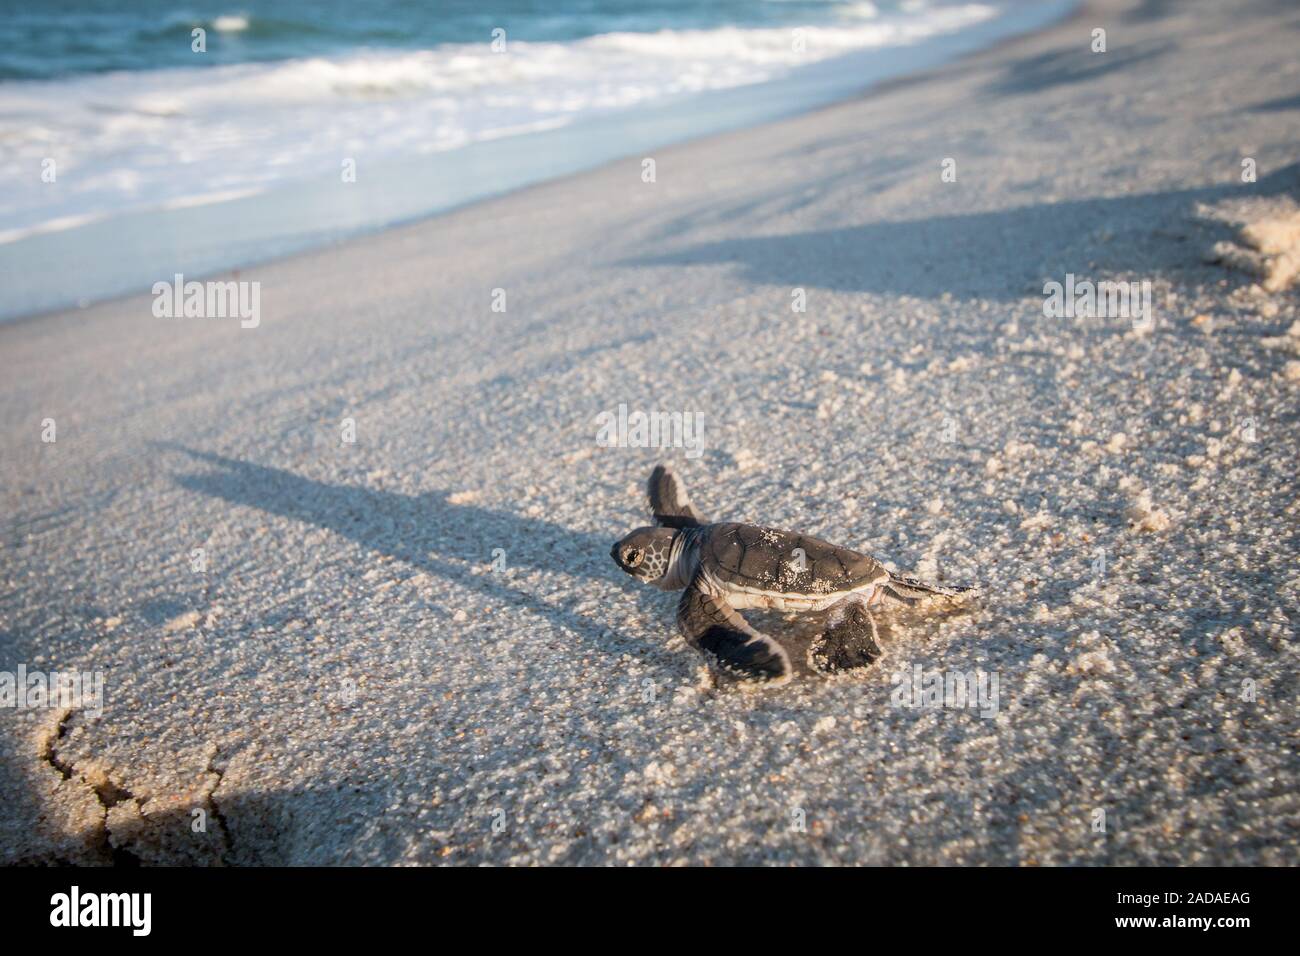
pixel 668 502
pixel 713 626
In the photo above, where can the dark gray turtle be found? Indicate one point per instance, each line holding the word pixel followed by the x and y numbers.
pixel 727 567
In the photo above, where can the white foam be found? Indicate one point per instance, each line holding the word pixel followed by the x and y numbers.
pixel 207 199
pixel 166 138
pixel 58 224
pixel 231 23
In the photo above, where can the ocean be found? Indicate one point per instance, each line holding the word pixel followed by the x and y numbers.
pixel 141 138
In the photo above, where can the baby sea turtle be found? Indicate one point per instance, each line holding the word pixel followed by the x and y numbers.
pixel 728 567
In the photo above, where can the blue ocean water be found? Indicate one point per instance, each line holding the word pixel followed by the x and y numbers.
pixel 46 41
pixel 131 151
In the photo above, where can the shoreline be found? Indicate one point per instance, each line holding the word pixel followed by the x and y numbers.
pixel 322 222
pixel 347 574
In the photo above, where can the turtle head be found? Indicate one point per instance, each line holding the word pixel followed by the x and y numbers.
pixel 646 554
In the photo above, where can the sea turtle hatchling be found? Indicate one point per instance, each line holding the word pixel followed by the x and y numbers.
pixel 728 567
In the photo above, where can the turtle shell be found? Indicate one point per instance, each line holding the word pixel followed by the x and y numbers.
pixel 783 562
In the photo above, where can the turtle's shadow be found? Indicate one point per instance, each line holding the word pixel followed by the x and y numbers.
pixel 452 541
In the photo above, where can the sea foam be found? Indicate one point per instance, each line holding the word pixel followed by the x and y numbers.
pixel 157 139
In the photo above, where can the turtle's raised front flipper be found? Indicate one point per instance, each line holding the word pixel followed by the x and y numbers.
pixel 668 501
pixel 902 587
pixel 713 626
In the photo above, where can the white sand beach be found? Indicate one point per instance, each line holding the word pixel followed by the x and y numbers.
pixel 414 648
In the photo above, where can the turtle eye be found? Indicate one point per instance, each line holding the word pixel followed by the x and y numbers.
pixel 632 557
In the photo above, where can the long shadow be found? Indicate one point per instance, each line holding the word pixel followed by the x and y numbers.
pixel 1281 104
pixel 1075 65
pixel 425 531
pixel 976 253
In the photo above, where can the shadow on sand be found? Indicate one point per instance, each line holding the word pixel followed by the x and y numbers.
pixel 970 254
pixel 425 531
pixel 1076 64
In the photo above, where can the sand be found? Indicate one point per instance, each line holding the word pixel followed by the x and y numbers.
pixel 351 680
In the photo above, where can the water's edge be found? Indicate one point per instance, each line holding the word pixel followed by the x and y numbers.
pixel 52 272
